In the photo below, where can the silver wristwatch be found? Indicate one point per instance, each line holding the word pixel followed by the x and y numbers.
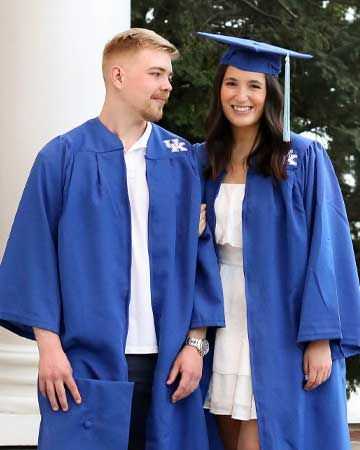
pixel 202 345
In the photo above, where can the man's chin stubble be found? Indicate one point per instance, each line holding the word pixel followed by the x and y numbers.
pixel 152 117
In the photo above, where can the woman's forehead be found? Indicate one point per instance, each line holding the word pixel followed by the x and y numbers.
pixel 234 72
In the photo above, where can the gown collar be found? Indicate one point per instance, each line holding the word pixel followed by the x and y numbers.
pixel 157 144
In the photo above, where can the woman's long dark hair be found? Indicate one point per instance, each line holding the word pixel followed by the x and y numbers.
pixel 270 150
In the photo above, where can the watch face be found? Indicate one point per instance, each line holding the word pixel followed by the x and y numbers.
pixel 205 347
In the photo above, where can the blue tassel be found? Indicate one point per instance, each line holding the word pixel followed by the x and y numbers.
pixel 286 130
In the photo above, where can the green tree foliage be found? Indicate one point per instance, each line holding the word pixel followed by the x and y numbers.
pixel 325 91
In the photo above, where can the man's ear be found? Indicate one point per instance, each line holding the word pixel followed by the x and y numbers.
pixel 117 76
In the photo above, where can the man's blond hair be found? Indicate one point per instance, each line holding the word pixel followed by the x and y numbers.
pixel 137 39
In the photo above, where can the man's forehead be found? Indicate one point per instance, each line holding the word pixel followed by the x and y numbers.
pixel 150 58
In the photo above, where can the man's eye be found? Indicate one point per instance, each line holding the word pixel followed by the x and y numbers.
pixel 156 74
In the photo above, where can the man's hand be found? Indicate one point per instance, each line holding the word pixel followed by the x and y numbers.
pixel 189 364
pixel 202 222
pixel 55 371
pixel 317 363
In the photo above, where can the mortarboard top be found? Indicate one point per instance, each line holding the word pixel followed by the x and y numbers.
pixel 253 56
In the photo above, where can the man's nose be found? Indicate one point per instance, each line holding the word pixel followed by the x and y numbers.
pixel 166 86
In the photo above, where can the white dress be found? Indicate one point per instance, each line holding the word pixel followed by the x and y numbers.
pixel 230 391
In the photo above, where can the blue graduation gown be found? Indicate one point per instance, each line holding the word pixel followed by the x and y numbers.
pixel 301 285
pixel 66 269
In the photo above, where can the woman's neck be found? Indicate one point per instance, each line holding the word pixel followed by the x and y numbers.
pixel 244 140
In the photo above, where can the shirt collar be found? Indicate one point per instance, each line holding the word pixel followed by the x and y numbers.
pixel 142 142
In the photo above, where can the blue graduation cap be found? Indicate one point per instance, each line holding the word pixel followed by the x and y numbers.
pixel 253 56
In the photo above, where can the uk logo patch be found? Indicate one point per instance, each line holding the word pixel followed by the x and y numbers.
pixel 292 158
pixel 175 145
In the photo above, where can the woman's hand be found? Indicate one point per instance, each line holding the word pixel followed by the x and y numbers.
pixel 317 364
pixel 202 223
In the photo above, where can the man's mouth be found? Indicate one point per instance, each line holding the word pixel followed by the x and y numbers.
pixel 163 100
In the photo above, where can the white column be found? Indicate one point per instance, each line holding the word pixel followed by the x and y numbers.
pixel 354 407
pixel 19 417
pixel 50 82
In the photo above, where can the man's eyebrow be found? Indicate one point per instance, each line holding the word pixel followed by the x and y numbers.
pixel 161 69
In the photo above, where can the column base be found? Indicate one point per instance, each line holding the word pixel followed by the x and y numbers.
pixel 19 429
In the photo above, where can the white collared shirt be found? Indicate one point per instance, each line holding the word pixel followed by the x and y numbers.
pixel 141 334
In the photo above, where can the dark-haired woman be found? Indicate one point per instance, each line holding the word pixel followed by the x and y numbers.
pixel 291 291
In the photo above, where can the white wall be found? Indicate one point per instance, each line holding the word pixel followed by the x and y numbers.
pixel 50 82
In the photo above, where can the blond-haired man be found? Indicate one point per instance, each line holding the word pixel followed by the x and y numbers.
pixel 104 268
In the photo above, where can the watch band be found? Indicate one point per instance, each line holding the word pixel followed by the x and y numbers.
pixel 202 345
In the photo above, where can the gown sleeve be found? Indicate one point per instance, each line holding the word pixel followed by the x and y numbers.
pixel 29 275
pixel 208 310
pixel 330 307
